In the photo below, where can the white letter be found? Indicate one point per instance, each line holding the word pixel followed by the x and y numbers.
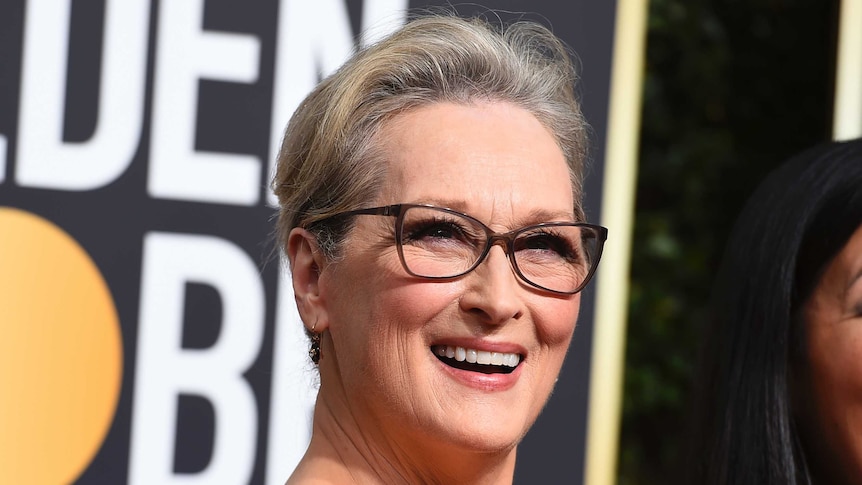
pixel 382 17
pixel 185 54
pixel 44 159
pixel 293 390
pixel 314 39
pixel 312 36
pixel 2 157
pixel 164 369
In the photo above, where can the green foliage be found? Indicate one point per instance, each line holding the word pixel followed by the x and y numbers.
pixel 732 88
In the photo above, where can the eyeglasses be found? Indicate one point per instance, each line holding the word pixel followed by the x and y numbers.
pixel 438 243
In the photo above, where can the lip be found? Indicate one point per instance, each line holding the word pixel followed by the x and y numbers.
pixel 472 343
pixel 477 380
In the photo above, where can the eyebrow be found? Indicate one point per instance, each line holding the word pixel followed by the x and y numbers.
pixel 543 215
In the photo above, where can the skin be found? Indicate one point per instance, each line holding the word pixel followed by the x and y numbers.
pixel 388 410
pixel 833 323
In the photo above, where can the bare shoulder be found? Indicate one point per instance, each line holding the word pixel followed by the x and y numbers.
pixel 301 477
pixel 313 472
pixel 308 481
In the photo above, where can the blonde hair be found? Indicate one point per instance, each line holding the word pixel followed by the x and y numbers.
pixel 328 162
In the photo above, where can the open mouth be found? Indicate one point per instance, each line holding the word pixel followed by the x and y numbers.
pixel 476 360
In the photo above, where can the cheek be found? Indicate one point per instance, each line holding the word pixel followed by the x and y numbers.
pixel 391 348
pixel 836 366
pixel 556 320
pixel 390 313
pixel 836 379
pixel 408 307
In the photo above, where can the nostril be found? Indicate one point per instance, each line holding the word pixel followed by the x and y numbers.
pixel 492 292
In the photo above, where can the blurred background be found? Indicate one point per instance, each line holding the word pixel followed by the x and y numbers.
pixel 732 88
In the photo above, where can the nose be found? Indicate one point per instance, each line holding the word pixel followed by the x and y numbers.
pixel 493 290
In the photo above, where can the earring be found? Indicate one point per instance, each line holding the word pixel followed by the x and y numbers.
pixel 314 351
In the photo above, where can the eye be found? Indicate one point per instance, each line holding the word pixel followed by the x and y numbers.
pixel 436 231
pixel 546 243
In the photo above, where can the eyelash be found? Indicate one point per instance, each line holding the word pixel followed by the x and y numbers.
pixel 421 228
pixel 418 230
pixel 555 237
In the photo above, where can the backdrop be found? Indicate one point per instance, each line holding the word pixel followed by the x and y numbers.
pixel 147 332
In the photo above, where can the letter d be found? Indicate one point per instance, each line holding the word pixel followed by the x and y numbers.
pixel 44 159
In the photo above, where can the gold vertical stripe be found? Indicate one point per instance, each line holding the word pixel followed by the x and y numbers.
pixel 847 121
pixel 606 369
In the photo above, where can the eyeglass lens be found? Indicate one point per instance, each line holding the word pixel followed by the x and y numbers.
pixel 437 243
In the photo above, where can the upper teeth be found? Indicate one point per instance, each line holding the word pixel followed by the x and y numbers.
pixel 477 356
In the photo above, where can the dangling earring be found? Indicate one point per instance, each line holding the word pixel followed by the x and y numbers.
pixel 314 351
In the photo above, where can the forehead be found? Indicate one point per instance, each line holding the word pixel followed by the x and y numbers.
pixel 846 267
pixel 489 158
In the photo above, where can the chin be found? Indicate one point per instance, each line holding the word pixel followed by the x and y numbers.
pixel 482 442
pixel 477 412
pixel 487 428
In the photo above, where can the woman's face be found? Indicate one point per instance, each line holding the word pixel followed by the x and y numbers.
pixel 497 163
pixel 833 325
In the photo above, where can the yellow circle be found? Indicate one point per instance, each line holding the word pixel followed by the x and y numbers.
pixel 60 353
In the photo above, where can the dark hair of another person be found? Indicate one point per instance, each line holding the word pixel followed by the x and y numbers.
pixel 745 427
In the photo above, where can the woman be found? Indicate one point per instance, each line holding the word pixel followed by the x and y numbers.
pixel 781 388
pixel 430 208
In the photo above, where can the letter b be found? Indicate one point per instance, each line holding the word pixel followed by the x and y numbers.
pixel 165 370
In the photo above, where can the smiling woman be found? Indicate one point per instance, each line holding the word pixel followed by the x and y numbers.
pixel 781 383
pixel 833 325
pixel 430 208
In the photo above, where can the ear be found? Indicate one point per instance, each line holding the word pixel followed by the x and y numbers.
pixel 306 263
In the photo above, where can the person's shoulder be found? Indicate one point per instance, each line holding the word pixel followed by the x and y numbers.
pixel 307 480
pixel 309 475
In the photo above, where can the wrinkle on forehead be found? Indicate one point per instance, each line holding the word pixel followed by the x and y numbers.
pixel 493 161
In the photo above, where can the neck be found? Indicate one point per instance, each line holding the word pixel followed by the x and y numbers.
pixel 344 451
